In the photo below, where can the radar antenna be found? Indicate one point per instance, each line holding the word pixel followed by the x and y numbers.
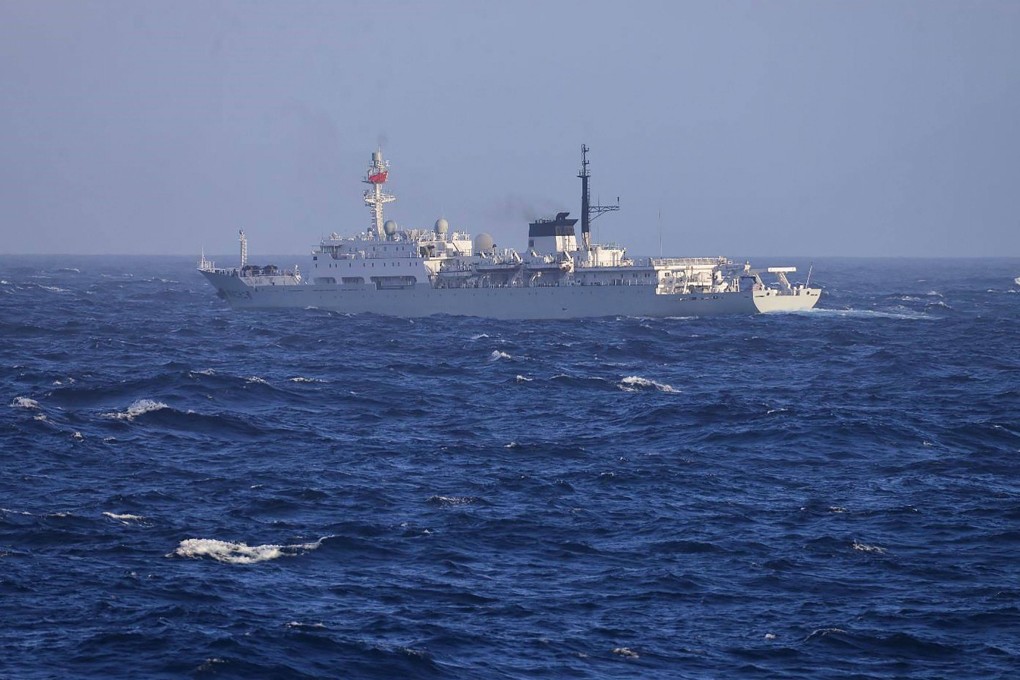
pixel 588 211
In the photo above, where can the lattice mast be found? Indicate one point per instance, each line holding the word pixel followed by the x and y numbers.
pixel 244 248
pixel 588 211
pixel 377 174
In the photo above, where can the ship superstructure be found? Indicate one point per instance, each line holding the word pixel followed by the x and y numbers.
pixel 419 272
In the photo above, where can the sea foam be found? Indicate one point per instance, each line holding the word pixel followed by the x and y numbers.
pixel 239 553
pixel 123 518
pixel 868 548
pixel 633 383
pixel 24 402
pixel 140 407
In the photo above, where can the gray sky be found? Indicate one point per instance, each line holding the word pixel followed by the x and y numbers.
pixel 774 128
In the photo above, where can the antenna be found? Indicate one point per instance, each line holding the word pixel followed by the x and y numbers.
pixel 244 248
pixel 378 173
pixel 590 212
pixel 809 270
pixel 660 232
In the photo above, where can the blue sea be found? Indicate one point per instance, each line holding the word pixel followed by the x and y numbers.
pixel 192 491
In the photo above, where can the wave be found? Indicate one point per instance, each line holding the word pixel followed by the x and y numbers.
pixel 24 402
pixel 582 381
pixel 868 548
pixel 634 383
pixel 239 553
pixel 866 314
pixel 497 355
pixel 302 379
pixel 451 500
pixel 522 379
pixel 125 518
pixel 138 408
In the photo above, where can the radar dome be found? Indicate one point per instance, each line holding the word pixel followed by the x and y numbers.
pixel 442 226
pixel 484 243
pixel 389 227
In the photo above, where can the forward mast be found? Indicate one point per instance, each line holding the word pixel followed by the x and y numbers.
pixel 375 198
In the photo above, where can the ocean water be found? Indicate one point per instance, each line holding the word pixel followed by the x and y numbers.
pixel 190 491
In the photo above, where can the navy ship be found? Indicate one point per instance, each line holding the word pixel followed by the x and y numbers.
pixel 558 275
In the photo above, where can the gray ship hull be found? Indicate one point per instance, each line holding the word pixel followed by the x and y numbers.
pixel 538 302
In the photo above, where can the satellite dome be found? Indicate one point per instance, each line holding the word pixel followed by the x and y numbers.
pixel 389 227
pixel 442 226
pixel 484 243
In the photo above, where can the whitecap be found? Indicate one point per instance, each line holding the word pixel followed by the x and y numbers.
pixel 54 289
pixel 298 624
pixel 239 553
pixel 209 664
pixel 41 417
pixel 479 336
pixel 522 379
pixel 140 407
pixel 125 518
pixel 301 379
pixel 24 402
pixel 497 355
pixel 633 383
pixel 257 380
pixel 626 652
pixel 451 500
pixel 204 371
pixel 868 548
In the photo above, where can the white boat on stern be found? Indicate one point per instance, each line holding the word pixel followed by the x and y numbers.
pixel 421 272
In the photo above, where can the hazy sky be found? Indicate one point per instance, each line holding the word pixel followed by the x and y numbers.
pixel 772 128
